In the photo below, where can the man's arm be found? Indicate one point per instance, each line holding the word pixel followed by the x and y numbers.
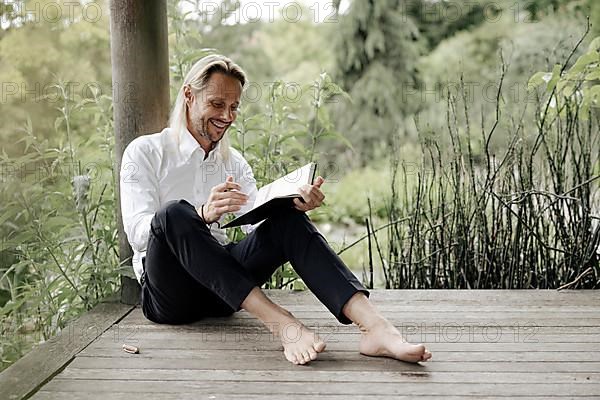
pixel 139 194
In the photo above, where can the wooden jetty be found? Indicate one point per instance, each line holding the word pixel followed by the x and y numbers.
pixel 486 344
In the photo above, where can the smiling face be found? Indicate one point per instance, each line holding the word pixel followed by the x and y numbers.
pixel 211 111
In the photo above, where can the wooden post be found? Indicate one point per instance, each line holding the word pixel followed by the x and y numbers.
pixel 140 77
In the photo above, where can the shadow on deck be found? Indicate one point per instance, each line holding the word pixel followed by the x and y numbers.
pixel 488 344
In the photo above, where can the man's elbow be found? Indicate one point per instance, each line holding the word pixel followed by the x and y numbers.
pixel 137 234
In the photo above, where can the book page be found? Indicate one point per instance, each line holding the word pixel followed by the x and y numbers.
pixel 285 186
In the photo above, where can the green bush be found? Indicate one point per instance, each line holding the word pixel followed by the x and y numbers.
pixel 59 251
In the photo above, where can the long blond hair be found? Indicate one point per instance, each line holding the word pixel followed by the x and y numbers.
pixel 197 78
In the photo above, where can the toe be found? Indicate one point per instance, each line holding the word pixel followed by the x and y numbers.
pixel 426 356
pixel 290 357
pixel 319 346
pixel 306 356
pixel 313 354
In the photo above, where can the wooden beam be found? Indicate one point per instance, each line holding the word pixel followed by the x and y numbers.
pixel 140 75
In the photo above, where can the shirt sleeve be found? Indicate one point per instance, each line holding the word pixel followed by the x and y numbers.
pixel 139 191
pixel 245 177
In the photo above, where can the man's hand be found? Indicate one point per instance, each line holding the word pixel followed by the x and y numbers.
pixel 312 196
pixel 224 198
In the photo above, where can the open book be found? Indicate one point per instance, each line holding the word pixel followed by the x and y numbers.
pixel 276 195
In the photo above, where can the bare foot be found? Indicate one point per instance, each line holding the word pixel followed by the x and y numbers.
pixel 300 344
pixel 384 340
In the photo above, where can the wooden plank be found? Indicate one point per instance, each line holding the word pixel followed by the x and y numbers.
pixel 452 303
pixel 45 360
pixel 429 308
pixel 348 388
pixel 43 395
pixel 327 376
pixel 392 307
pixel 482 296
pixel 242 317
pixel 227 337
pixel 592 315
pixel 337 364
pixel 218 327
pixel 269 356
pixel 457 319
pixel 232 321
pixel 251 344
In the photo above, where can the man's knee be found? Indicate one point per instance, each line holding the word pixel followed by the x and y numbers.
pixel 292 218
pixel 291 214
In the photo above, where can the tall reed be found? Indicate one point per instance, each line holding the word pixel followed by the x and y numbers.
pixel 528 218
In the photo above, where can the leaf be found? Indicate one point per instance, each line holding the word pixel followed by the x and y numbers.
pixel 288 273
pixel 554 79
pixel 582 62
pixel 595 92
pixel 561 85
pixel 57 123
pixel 536 80
pixel 55 223
pixel 10 306
pixel 338 136
pixel 294 134
pixel 569 90
pixel 299 285
pixel 594 75
pixel 595 44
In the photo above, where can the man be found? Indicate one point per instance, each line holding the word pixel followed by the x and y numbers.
pixel 177 183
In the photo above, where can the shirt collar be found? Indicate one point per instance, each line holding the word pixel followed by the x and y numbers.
pixel 188 145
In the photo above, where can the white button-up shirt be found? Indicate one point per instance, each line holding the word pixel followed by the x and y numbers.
pixel 156 169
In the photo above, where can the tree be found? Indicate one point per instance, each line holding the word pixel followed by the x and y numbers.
pixel 41 44
pixel 198 28
pixel 591 8
pixel 439 20
pixel 376 55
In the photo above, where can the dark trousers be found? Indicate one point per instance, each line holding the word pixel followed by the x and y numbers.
pixel 189 275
